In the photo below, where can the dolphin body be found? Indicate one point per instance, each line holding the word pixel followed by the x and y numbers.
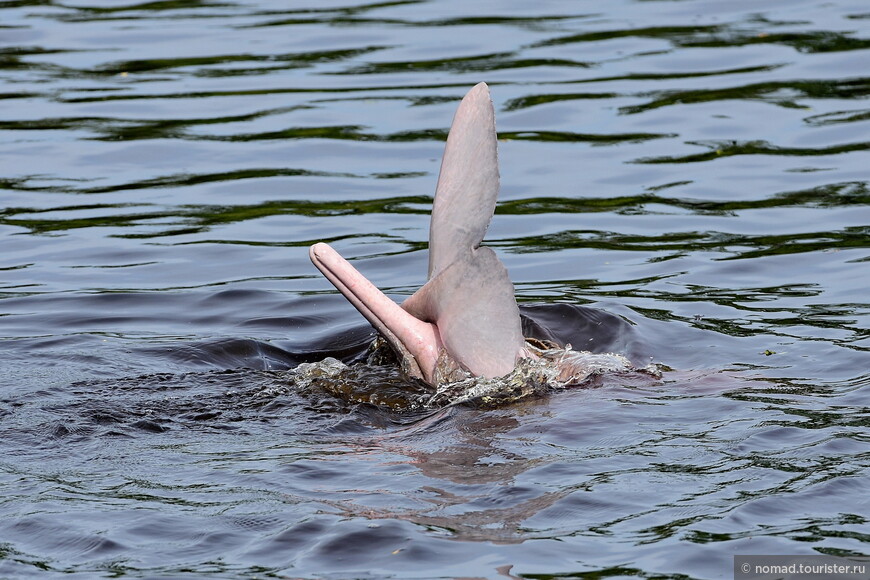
pixel 465 316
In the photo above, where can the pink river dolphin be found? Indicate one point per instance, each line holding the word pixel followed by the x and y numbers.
pixel 465 316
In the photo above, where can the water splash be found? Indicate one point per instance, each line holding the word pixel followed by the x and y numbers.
pixel 379 381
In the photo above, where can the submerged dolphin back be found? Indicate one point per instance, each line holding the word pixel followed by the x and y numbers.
pixel 468 184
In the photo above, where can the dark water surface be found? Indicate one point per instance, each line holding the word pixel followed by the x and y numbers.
pixel 697 168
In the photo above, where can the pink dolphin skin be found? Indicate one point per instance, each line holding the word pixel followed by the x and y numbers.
pixel 467 309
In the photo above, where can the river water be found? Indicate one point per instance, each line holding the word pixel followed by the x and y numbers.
pixel 695 171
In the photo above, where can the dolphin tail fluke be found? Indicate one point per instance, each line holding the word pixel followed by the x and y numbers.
pixel 467 189
pixel 472 303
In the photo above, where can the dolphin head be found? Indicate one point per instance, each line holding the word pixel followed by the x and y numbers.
pixel 466 313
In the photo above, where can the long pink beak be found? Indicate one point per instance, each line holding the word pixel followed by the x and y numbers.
pixel 414 341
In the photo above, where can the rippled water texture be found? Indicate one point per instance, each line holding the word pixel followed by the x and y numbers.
pixel 695 171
